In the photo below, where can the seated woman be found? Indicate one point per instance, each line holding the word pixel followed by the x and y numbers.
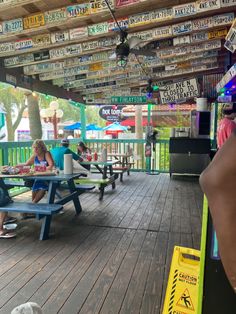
pixel 84 153
pixel 40 155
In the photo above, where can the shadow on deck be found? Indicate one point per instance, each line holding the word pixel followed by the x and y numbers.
pixel 113 258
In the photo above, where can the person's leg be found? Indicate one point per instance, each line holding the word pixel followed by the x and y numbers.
pixel 4 233
pixel 218 182
pixel 38 195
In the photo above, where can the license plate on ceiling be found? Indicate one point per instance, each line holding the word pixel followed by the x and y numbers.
pixel 55 16
pixel 6 47
pixel 34 21
pixel 217 34
pixel 12 26
pixel 97 29
pixel 23 44
pixel 78 10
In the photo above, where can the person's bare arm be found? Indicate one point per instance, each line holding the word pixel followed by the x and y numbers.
pixel 218 182
pixel 50 161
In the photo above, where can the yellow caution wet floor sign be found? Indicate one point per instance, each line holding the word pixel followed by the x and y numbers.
pixel 182 288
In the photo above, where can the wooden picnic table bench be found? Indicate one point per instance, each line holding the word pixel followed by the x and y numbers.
pixel 42 211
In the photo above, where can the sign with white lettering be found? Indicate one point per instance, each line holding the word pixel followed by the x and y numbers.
pixel 184 10
pixel 41 40
pixel 175 92
pixel 55 16
pixel 41 55
pixel 79 32
pixel 59 37
pixel 23 44
pixel 182 28
pixel 206 5
pixel 128 99
pixel 109 113
pixel 12 26
pixel 228 3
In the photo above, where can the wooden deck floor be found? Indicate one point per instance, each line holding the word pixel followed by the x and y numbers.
pixel 113 258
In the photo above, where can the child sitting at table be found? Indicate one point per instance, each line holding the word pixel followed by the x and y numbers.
pixel 84 153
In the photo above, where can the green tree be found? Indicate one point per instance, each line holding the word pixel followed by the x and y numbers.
pixel 13 100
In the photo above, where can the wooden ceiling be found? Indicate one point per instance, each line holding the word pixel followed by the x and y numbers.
pixel 45 43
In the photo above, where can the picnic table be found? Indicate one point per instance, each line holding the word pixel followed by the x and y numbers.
pixel 123 163
pixel 45 211
pixel 108 175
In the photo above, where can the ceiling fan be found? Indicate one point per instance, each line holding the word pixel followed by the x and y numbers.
pixel 127 45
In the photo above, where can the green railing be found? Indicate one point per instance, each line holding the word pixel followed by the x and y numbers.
pixel 12 153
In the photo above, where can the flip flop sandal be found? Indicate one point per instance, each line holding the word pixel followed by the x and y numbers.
pixel 9 220
pixel 10 227
pixel 7 235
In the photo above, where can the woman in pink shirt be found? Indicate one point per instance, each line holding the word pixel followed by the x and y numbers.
pixel 226 125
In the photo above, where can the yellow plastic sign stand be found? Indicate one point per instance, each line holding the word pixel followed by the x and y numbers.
pixel 182 289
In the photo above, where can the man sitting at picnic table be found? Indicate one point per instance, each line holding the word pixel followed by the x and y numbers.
pixel 59 152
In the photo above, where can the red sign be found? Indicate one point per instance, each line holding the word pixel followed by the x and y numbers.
pixel 120 3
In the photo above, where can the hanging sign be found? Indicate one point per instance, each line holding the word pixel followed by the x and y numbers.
pixel 175 92
pixel 184 10
pixel 120 3
pixel 96 66
pixel 51 75
pixel 97 29
pixel 182 28
pixel 8 62
pixel 223 19
pixel 204 23
pixel 73 50
pixel 59 37
pixel 6 47
pixel 162 32
pixel 79 32
pixel 41 40
pixel 161 15
pixel 111 113
pixel 145 35
pixel 206 5
pixel 124 23
pixel 78 10
pixel 33 21
pixel 23 44
pixel 26 58
pixel 107 41
pixel 214 44
pixel 55 16
pixel 12 26
pixel 228 3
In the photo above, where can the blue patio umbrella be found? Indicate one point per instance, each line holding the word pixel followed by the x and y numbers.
pixel 93 127
pixel 116 126
pixel 72 127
